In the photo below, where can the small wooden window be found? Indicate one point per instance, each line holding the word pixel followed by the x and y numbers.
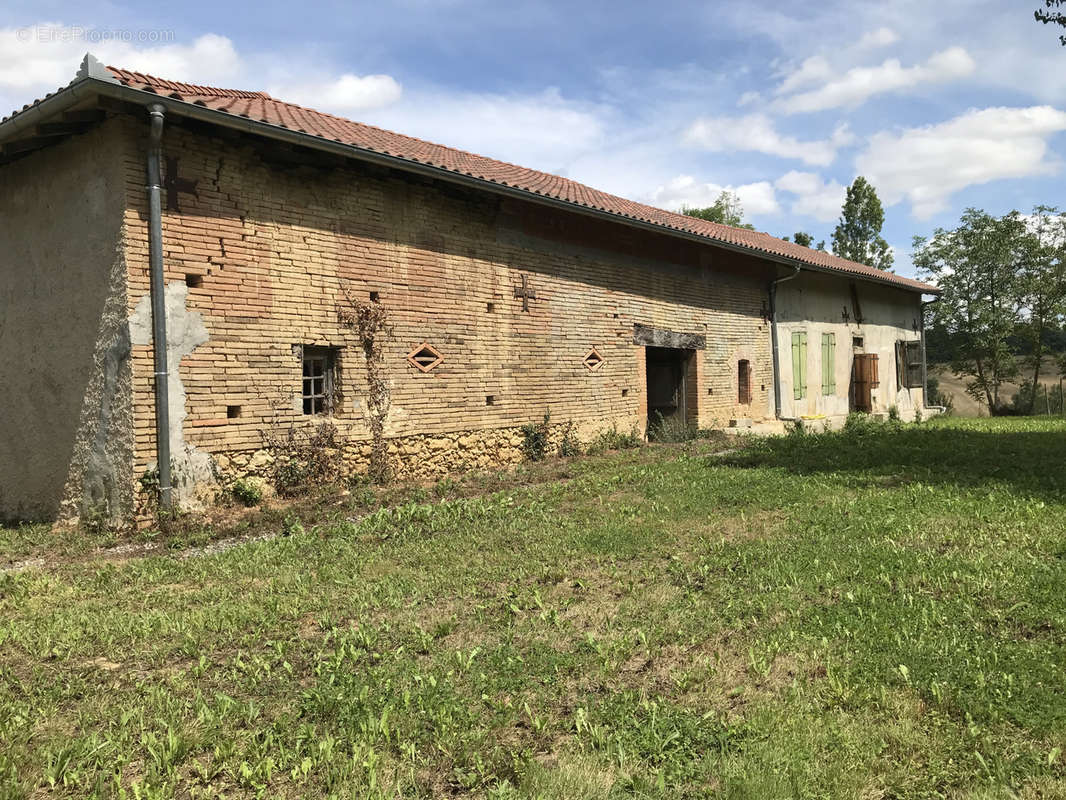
pixel 425 357
pixel 744 382
pixel 319 364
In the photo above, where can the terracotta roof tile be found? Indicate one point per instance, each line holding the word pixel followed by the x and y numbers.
pixel 261 107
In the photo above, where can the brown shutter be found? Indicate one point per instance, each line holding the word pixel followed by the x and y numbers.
pixel 913 365
pixel 900 365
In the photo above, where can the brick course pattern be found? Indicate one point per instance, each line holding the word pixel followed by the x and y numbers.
pixel 276 243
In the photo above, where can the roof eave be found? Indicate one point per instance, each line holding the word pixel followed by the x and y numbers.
pixel 78 90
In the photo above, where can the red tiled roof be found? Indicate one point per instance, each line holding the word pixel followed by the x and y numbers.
pixel 261 107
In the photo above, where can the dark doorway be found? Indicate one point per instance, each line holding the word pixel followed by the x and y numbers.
pixel 667 390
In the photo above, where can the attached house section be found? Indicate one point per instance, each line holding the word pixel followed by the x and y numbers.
pixel 848 346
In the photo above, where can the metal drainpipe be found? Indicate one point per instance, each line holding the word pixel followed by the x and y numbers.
pixel 159 313
pixel 925 367
pixel 773 338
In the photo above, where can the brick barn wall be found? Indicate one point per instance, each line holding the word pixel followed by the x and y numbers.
pixel 276 242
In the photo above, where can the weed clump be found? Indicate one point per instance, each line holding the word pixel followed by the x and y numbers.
pixel 859 424
pixel 303 459
pixel 535 439
pixel 673 430
pixel 292 526
pixel 569 445
pixel 614 439
pixel 247 492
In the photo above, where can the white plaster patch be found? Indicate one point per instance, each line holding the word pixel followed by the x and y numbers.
pixel 192 471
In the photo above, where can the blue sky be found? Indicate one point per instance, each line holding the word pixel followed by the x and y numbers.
pixel 941 105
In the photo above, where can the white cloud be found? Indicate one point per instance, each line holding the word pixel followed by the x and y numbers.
pixel 811 72
pixel 927 165
pixel 684 190
pixel 344 95
pixel 749 98
pixel 859 84
pixel 756 133
pixel 882 37
pixel 815 197
pixel 40 58
pixel 542 130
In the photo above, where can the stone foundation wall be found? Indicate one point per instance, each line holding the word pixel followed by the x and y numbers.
pixel 412 458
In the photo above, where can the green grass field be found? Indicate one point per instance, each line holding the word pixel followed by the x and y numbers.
pixel 879 614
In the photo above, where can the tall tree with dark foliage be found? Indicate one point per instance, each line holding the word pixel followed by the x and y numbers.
pixel 858 234
pixel 1051 15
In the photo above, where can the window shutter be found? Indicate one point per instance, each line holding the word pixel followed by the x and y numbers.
pixel 829 351
pixel 912 378
pixel 900 365
pixel 799 365
pixel 803 361
pixel 825 359
pixel 875 381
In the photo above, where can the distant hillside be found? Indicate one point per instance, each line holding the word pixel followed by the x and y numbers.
pixel 966 406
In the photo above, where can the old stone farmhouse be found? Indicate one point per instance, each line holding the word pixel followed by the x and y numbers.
pixel 506 294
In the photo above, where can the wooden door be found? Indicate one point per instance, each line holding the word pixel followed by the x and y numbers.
pixel 864 381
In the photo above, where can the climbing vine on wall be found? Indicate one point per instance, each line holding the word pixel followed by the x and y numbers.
pixel 370 323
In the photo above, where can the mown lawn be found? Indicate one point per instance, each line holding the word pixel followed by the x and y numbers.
pixel 879 613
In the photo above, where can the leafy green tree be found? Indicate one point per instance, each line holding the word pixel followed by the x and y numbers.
pixel 803 239
pixel 858 234
pixel 1041 287
pixel 1053 17
pixel 976 267
pixel 726 210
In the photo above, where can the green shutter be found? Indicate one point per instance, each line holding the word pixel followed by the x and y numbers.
pixel 799 365
pixel 829 355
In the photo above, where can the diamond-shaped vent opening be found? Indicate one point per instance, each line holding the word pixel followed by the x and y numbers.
pixel 425 357
pixel 593 360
